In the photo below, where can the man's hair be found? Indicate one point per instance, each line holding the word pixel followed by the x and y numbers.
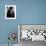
pixel 10 7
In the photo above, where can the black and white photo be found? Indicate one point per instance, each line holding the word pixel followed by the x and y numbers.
pixel 10 11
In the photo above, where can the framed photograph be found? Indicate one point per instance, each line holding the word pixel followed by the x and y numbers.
pixel 33 32
pixel 10 11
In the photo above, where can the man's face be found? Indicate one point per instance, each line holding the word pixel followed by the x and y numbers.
pixel 11 10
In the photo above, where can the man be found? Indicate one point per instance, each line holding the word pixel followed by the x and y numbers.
pixel 10 12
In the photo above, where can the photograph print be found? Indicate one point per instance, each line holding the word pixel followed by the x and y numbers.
pixel 10 11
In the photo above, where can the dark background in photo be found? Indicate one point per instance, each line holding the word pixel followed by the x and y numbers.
pixel 10 12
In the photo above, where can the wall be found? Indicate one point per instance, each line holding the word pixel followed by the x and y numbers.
pixel 6 26
pixel 31 11
pixel 28 12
